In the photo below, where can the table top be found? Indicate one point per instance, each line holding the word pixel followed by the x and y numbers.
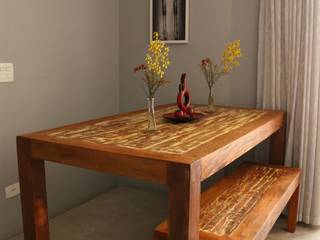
pixel 187 142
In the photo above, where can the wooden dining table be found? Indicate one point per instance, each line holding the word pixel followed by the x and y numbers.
pixel 178 155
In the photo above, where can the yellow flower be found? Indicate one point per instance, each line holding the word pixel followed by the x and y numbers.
pixel 230 59
pixel 230 56
pixel 157 62
pixel 157 56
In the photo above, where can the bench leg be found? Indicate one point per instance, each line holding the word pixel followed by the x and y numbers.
pixel 293 212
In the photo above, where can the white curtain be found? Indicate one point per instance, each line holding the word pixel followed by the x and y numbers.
pixel 289 79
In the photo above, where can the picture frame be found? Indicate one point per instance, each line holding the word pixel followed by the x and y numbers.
pixel 170 18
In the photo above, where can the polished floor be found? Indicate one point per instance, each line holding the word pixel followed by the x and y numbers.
pixel 131 214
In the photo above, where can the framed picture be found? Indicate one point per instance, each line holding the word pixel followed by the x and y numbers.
pixel 170 18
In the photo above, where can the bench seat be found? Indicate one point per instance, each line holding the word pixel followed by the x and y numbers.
pixel 246 204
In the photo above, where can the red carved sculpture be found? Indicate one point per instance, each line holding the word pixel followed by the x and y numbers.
pixel 183 99
pixel 185 112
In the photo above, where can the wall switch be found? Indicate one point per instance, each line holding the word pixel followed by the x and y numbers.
pixel 12 190
pixel 6 72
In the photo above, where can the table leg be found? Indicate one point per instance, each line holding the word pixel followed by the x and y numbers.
pixel 33 193
pixel 184 201
pixel 278 147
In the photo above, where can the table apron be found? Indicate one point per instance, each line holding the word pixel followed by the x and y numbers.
pixel 122 165
pixel 221 158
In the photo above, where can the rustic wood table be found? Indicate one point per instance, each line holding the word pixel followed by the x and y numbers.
pixel 179 155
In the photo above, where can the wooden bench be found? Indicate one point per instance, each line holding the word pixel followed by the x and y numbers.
pixel 246 204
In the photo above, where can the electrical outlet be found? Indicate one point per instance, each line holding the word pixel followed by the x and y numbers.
pixel 12 190
pixel 6 72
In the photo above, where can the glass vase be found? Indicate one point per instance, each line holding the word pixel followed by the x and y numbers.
pixel 211 105
pixel 151 117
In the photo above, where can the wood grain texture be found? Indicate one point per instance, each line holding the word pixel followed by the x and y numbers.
pixel 101 161
pixel 223 215
pixel 130 131
pixel 245 204
pixel 178 155
pixel 231 146
pixel 228 134
pixel 184 201
pixel 33 193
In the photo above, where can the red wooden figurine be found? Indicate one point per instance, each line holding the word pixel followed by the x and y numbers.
pixel 183 99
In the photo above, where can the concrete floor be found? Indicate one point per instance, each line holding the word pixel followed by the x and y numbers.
pixel 131 214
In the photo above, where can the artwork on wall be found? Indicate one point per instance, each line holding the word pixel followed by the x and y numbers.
pixel 170 18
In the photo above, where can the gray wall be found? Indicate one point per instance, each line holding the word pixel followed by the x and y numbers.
pixel 213 23
pixel 66 70
pixel 66 56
